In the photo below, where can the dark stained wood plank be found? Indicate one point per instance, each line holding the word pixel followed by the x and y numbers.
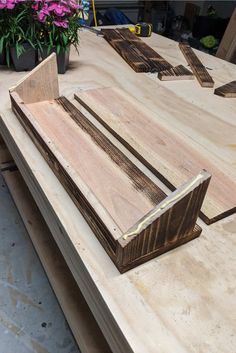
pixel 127 50
pixel 176 73
pixel 132 56
pixel 196 65
pixel 227 91
pixel 141 57
pixel 127 35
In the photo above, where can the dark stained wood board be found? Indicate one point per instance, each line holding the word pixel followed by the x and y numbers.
pixel 196 65
pixel 134 51
pixel 227 91
pixel 164 152
pixel 176 73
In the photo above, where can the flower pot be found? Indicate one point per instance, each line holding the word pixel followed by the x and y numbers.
pixel 62 58
pixel 27 60
pixel 3 58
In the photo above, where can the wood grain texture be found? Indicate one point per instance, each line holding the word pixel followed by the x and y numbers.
pixel 163 228
pixel 196 65
pixel 202 271
pixel 82 323
pixel 41 83
pixel 176 73
pixel 227 47
pixel 89 176
pixel 227 91
pixel 135 52
pixel 141 57
pixel 160 149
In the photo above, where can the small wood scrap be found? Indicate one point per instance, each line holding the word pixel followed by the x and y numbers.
pixel 152 223
pixel 227 91
pixel 176 73
pixel 196 65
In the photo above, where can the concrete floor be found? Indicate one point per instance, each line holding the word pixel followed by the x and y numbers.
pixel 31 320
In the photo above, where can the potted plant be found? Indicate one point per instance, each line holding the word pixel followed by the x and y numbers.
pixel 18 39
pixel 58 29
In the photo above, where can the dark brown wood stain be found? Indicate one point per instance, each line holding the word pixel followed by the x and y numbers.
pixel 196 65
pixel 227 91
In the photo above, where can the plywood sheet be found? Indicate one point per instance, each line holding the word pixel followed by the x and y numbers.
pixel 162 150
pixel 173 301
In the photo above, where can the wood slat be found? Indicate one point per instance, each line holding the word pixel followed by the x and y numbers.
pixel 163 151
pixel 127 50
pixel 228 90
pixel 196 65
pixel 176 73
pixel 134 50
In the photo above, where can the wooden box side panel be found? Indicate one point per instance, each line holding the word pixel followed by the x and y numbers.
pixel 164 229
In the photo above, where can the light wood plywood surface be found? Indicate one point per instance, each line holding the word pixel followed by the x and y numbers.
pixel 185 299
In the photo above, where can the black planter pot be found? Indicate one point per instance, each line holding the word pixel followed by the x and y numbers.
pixel 3 58
pixel 27 60
pixel 62 58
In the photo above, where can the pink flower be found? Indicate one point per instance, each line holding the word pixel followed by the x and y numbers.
pixel 43 13
pixel 61 23
pixel 7 4
pixel 59 10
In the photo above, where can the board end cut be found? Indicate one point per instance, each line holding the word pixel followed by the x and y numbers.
pixel 227 91
pixel 176 73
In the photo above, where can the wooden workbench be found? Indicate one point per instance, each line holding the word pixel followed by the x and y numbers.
pixel 184 300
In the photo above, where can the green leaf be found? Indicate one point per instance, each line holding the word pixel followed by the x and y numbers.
pixel 1 44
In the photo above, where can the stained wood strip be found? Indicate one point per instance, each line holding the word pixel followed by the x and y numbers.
pixel 196 65
pixel 156 61
pixel 132 56
pixel 228 90
pixel 176 73
pixel 134 51
pixel 127 50
pixel 141 57
pixel 127 35
pixel 164 152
